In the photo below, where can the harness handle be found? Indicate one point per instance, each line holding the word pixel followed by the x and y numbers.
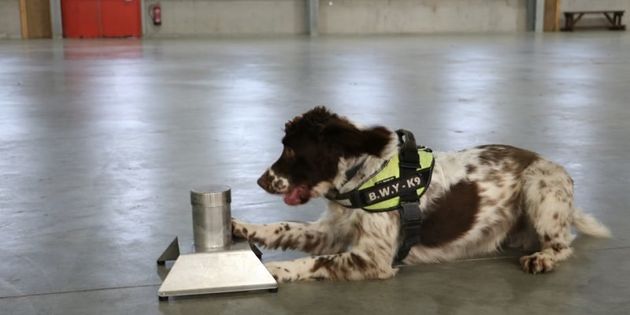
pixel 408 146
pixel 409 160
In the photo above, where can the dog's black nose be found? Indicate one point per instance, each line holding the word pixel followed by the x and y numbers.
pixel 265 181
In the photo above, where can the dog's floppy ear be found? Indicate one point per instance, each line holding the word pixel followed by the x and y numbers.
pixel 353 141
pixel 376 139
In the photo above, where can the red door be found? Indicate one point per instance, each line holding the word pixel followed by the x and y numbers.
pixel 101 18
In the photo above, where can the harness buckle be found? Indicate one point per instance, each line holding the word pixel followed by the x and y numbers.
pixel 405 164
pixel 356 200
pixel 410 212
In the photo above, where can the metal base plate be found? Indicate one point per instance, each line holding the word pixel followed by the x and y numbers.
pixel 217 272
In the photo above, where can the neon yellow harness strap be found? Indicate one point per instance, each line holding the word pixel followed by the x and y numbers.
pixel 391 173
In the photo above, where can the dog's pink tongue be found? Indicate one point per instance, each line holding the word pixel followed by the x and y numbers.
pixel 296 196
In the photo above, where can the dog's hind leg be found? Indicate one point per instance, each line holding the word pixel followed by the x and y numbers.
pixel 549 205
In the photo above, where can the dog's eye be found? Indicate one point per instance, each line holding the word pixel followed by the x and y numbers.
pixel 288 153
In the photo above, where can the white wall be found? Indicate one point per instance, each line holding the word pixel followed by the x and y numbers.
pixel 278 17
pixel 270 17
pixel 10 19
pixel 421 16
pixel 227 17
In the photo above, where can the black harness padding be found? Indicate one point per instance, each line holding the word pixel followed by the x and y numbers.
pixel 410 214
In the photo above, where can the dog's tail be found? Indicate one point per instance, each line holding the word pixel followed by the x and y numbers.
pixel 587 224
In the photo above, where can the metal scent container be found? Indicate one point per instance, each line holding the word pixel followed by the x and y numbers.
pixel 212 219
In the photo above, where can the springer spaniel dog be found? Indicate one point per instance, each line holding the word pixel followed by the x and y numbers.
pixel 478 200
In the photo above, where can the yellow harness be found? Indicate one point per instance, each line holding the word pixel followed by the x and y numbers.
pixel 381 192
pixel 398 185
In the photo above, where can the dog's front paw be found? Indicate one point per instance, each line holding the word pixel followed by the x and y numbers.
pixel 239 229
pixel 537 263
pixel 280 272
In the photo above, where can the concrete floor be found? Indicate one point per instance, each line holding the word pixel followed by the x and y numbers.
pixel 100 142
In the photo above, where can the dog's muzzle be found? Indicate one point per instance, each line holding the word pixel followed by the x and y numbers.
pixel 272 183
pixel 265 182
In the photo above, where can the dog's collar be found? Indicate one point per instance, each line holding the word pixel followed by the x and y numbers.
pixel 382 190
pixel 353 171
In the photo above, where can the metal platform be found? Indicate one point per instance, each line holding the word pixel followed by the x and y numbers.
pixel 234 269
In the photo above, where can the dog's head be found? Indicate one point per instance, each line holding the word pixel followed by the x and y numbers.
pixel 314 145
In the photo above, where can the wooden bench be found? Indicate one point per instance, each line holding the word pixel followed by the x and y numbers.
pixel 613 16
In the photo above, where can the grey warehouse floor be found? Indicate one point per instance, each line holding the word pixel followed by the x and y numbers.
pixel 101 140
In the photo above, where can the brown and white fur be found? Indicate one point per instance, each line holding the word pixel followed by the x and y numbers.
pixel 479 199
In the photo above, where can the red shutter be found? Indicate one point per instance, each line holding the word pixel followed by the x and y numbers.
pixel 121 18
pixel 101 18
